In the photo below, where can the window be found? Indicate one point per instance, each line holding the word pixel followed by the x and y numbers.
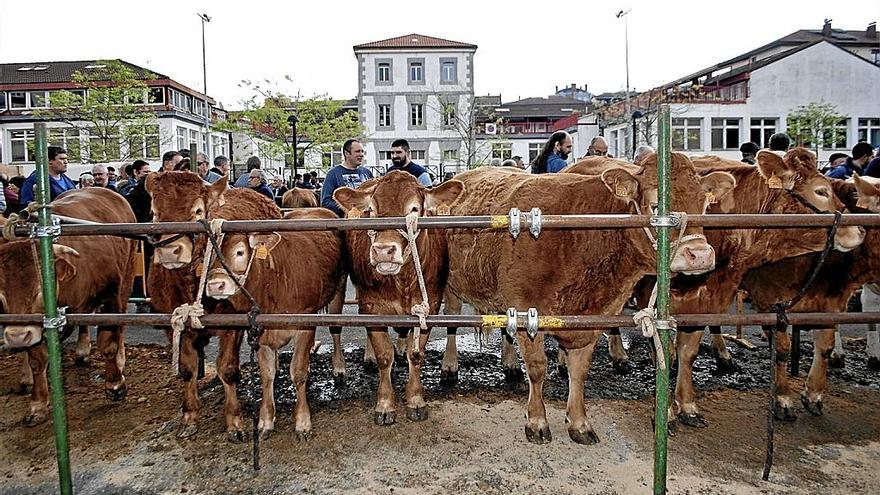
pixel 448 71
pixel 416 115
pixel 104 146
pixel 450 155
pixel 145 143
pixel 204 148
pixel 76 97
pixel 156 96
pixel 2 101
pixel 67 138
pixel 39 99
pixel 502 150
pixel 534 151
pixel 383 72
pixel 835 137
pixel 613 143
pixel 449 115
pixel 181 138
pixel 761 130
pixel 198 107
pixel 384 115
pixel 385 156
pixel 416 71
pixel 193 146
pixel 219 144
pixel 417 155
pixel 686 134
pixel 17 99
pixel 725 134
pixel 869 130
pixel 332 157
pixel 22 145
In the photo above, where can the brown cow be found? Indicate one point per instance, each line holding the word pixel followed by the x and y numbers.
pixel 94 273
pixel 567 271
pixel 172 280
pixel 280 285
pixel 838 278
pixel 299 198
pixel 382 270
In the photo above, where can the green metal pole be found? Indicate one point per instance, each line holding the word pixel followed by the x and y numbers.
pixel 51 323
pixel 663 275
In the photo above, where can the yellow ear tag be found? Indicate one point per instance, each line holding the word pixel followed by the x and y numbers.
pixel 353 213
pixel 443 210
pixel 262 252
pixel 710 197
pixel 621 191
pixel 774 182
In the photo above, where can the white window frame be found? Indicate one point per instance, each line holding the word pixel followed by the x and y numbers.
pixel 724 124
pixel 385 116
pixel 840 130
pixel 419 155
pixel 449 116
pixel 416 69
pixel 762 127
pixel 685 126
pixel 383 69
pixel 65 137
pixel 26 100
pixel 867 126
pixel 27 135
pixel 182 137
pixel 416 114
pixel 534 151
pixel 450 155
pixel 31 99
pixel 502 150
pixel 3 101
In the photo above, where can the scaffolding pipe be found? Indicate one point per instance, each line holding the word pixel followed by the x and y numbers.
pixel 52 323
pixel 661 402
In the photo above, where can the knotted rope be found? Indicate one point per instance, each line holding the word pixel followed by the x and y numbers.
pixel 646 320
pixel 9 227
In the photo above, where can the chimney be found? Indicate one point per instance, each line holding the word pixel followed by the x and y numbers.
pixel 872 30
pixel 557 89
pixel 826 29
pixel 574 88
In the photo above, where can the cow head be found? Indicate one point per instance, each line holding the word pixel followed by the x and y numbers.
pixel 868 189
pixel 240 252
pixel 808 191
pixel 397 194
pixel 691 194
pixel 20 292
pixel 181 197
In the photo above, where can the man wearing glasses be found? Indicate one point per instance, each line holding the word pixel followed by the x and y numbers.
pixel 102 177
pixel 598 147
pixel 207 175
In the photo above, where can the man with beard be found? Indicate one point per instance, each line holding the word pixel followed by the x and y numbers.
pixel 400 160
pixel 553 155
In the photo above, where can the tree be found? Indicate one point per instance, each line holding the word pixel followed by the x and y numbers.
pixel 815 124
pixel 465 121
pixel 322 122
pixel 108 107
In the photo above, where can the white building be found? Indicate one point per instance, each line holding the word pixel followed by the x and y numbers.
pixel 419 88
pixel 749 97
pixel 179 123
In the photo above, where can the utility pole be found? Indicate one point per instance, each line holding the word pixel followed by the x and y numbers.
pixel 205 18
pixel 622 14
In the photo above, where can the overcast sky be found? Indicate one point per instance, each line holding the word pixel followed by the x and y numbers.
pixel 525 49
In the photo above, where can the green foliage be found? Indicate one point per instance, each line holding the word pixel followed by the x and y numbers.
pixel 322 122
pixel 814 125
pixel 110 111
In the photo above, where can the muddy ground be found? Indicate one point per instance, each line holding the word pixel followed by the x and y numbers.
pixel 472 441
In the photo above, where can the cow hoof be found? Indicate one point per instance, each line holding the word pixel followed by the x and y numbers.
pixel 621 367
pixel 725 366
pixel 539 436
pixel 240 436
pixel 116 394
pixel 82 360
pixel 814 408
pixel 837 361
pixel 784 414
pixel 384 418
pixel 371 367
pixel 874 363
pixel 303 436
pixel 35 418
pixel 588 437
pixel 187 431
pixel 24 388
pixel 694 420
pixel 513 375
pixel 417 413
pixel 339 380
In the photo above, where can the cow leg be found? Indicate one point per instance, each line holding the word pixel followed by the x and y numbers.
pixel 537 428
pixel 687 347
pixel 509 362
pixel 188 364
pixel 619 358
pixel 266 357
pixel 38 408
pixel 370 364
pixel 400 349
pixel 723 361
pixel 27 375
pixel 385 413
pixel 111 344
pixel 338 360
pixel 579 428
pixel 562 362
pixel 783 410
pixel 873 347
pixel 229 371
pixel 299 374
pixel 823 343
pixel 449 366
pixel 416 407
pixel 83 346
pixel 838 355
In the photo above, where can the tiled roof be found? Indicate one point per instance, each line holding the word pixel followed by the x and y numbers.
pixel 414 41
pixel 57 72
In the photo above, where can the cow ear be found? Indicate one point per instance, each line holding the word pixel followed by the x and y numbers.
pixel 443 196
pixel 349 199
pixel 150 182
pixel 621 184
pixel 215 193
pixel 717 185
pixel 778 173
pixel 869 194
pixel 268 240
pixel 65 262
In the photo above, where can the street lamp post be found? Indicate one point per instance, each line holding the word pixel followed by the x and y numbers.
pixel 205 18
pixel 292 120
pixel 622 14
pixel 636 115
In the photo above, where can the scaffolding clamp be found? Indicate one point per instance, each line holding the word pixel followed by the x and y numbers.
pixel 532 323
pixel 58 321
pixel 511 322
pixel 670 220
pixel 535 224
pixel 513 224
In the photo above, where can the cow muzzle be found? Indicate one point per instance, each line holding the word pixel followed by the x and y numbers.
pixel 848 238
pixel 692 257
pixel 175 255
pixel 220 286
pixel 386 257
pixel 20 336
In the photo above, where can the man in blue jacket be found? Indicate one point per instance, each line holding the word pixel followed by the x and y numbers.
pixel 400 160
pixel 861 154
pixel 553 155
pixel 58 181
pixel 348 174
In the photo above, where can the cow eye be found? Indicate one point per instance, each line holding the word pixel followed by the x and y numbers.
pixel 239 253
pixel 822 192
pixel 199 212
